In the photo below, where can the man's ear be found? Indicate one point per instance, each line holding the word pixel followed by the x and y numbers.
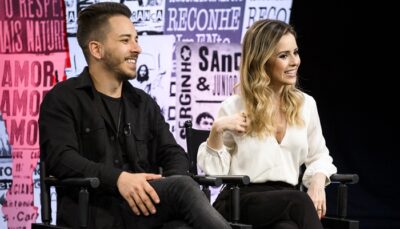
pixel 96 49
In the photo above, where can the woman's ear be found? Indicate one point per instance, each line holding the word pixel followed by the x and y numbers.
pixel 96 49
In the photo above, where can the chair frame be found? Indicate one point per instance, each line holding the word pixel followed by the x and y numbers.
pixel 46 182
pixel 235 181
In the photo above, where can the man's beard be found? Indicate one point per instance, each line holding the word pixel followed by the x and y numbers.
pixel 125 77
pixel 115 65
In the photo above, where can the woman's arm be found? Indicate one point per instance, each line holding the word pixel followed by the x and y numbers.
pixel 214 155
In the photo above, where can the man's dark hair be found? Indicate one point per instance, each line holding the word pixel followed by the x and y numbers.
pixel 93 22
pixel 203 115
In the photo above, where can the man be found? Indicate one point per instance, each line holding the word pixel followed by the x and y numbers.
pixel 98 125
pixel 204 121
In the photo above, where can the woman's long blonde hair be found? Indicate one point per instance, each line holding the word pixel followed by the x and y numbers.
pixel 258 46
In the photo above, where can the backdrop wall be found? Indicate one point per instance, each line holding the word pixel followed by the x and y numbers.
pixel 39 47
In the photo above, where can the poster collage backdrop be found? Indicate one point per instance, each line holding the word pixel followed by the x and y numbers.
pixel 189 64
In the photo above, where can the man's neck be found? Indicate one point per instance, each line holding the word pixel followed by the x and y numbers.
pixel 106 82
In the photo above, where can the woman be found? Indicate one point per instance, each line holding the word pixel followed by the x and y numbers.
pixel 267 132
pixel 142 73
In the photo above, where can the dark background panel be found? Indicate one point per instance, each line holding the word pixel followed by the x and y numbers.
pixel 356 100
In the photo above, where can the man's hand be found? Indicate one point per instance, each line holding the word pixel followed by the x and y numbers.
pixel 137 191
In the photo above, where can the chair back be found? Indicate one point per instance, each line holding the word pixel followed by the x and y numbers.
pixel 194 138
pixel 45 199
pixel 84 184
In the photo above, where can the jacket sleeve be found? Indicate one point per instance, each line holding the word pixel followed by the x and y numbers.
pixel 59 143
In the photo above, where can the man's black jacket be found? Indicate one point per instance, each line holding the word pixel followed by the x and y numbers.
pixel 76 140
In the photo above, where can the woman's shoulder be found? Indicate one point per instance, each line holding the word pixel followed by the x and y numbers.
pixel 232 99
pixel 308 99
pixel 233 103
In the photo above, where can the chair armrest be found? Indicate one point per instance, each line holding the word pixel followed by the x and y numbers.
pixel 89 182
pixel 342 191
pixel 345 178
pixel 234 179
pixel 207 180
pixel 218 180
pixel 83 200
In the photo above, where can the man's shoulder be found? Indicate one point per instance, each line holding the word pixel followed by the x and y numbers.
pixel 143 103
pixel 65 86
pixel 67 90
pixel 137 91
pixel 139 94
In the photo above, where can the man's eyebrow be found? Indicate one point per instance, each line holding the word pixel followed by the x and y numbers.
pixel 128 36
pixel 124 35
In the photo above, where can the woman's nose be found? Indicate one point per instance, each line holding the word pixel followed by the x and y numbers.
pixel 295 60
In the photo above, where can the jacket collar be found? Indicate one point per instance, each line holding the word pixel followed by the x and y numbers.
pixel 129 97
pixel 128 91
pixel 85 82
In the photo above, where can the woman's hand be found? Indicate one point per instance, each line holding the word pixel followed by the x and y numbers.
pixel 236 123
pixel 316 191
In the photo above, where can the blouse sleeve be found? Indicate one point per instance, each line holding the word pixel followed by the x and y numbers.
pixel 318 158
pixel 216 162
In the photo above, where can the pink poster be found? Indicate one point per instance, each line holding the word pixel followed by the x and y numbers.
pixel 33 53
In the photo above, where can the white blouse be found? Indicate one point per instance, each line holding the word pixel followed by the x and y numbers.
pixel 264 159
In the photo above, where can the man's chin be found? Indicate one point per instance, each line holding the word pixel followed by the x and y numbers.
pixel 127 77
